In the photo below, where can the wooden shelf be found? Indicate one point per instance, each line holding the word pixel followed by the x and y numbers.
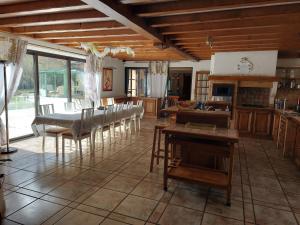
pixel 210 177
pixel 244 78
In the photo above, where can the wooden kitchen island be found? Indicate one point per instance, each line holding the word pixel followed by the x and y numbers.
pixel 194 142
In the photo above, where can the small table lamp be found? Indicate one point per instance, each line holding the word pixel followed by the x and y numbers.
pixel 5 55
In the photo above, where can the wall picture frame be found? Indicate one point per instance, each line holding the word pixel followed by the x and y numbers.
pixel 107 79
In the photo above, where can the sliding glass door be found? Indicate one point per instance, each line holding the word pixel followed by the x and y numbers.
pixel 46 79
pixel 22 105
pixel 53 82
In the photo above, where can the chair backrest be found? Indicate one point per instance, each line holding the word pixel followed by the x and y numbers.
pixel 140 102
pixel 46 109
pixel 84 104
pixel 86 120
pixel 109 113
pixel 110 101
pixel 69 106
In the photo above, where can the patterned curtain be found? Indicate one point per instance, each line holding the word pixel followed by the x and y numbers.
pixel 157 78
pixel 93 78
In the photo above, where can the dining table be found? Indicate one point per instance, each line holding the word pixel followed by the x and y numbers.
pixel 72 120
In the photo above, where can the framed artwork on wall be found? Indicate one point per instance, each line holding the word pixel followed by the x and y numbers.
pixel 107 81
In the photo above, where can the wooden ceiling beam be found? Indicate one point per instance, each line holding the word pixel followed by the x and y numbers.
pixel 234 33
pixel 86 34
pixel 39 7
pixel 55 18
pixel 224 15
pixel 196 6
pixel 133 38
pixel 249 37
pixel 91 26
pixel 125 15
pixel 233 25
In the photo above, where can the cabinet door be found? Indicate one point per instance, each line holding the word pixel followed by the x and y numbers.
pixel 297 147
pixel 262 123
pixel 150 107
pixel 243 121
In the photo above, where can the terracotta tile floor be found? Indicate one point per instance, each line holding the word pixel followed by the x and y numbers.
pixel 113 186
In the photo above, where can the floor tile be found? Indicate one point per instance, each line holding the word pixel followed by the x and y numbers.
pixel 136 207
pixel 270 196
pixel 15 201
pixel 189 199
pixel 35 213
pixel 105 199
pixel 19 177
pixel 209 219
pixel 149 190
pixel 218 206
pixel 76 217
pixel 92 177
pixel 112 222
pixel 177 215
pixel 70 190
pixel 122 183
pixel 45 184
pixel 269 216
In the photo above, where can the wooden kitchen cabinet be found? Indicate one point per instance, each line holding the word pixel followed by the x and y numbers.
pixel 297 147
pixel 254 122
pixel 151 107
pixel 244 121
pixel 262 123
pixel 275 126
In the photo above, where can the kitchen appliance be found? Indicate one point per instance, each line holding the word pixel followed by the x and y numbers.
pixel 222 92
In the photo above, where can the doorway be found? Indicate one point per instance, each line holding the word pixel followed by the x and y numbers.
pixel 180 82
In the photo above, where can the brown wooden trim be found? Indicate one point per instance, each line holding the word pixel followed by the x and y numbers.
pixel 244 78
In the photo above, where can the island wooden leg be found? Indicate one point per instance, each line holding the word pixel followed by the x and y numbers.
pixel 153 150
pixel 166 162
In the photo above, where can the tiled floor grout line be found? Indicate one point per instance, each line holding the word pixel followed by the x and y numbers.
pixel 289 204
pixel 248 175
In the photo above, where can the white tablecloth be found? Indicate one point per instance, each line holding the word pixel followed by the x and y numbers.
pixel 73 120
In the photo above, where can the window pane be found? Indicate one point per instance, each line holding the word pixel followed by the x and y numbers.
pixel 53 82
pixel 133 93
pixel 77 80
pixel 133 74
pixel 21 107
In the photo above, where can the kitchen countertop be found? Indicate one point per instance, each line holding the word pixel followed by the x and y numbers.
pixel 255 108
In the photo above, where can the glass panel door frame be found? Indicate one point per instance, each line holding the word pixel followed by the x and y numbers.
pixel 36 76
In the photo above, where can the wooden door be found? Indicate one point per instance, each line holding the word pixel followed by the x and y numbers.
pixel 297 147
pixel 262 123
pixel 244 121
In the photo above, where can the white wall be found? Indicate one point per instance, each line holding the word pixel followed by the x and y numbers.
pixel 264 62
pixel 118 77
pixel 197 66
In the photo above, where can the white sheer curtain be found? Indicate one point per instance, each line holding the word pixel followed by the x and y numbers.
pixel 14 69
pixel 93 78
pixel 157 78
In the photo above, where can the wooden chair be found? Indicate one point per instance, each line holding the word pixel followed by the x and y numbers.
pixel 107 101
pixel 70 106
pixel 84 132
pixel 156 146
pixel 52 131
